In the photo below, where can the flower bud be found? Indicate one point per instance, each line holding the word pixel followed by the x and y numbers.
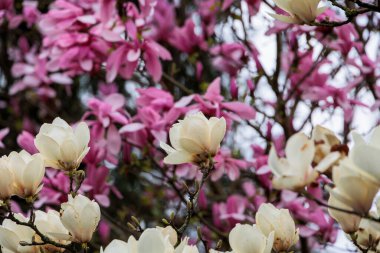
pixel 28 171
pixel 300 11
pixel 26 141
pixel 50 225
pixel 249 239
pixel 269 219
pixel 194 139
pixel 61 146
pixel 80 216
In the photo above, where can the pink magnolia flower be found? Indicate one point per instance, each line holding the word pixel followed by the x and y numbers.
pixel 96 186
pixel 229 57
pixel 253 195
pixel 109 110
pixel 105 144
pixel 156 113
pixel 212 103
pixel 30 71
pixel 55 190
pixel 122 61
pixel 227 215
pixel 226 164
pixel 125 58
pixel 188 171
pixel 26 141
pixel 188 37
pixel 162 22
pixel 348 38
pixel 30 12
pixel 155 98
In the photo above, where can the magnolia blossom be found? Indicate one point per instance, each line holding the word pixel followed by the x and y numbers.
pixel 368 234
pixel 348 222
pixel 194 139
pixel 269 219
pixel 28 171
pixel 294 172
pixel 6 179
pixel 249 239
pixel 12 234
pixel 353 186
pixel 80 216
pixel 300 11
pixel 325 141
pixel 366 155
pixel 63 147
pixel 158 240
pixel 50 224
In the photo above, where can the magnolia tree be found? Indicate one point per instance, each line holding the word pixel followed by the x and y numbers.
pixel 189 126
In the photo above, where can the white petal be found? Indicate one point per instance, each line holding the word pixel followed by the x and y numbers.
pixel 300 151
pixel 191 146
pixel 178 157
pixel 246 239
pixel 47 147
pixel 82 134
pixel 166 147
pixel 218 130
pixel 69 151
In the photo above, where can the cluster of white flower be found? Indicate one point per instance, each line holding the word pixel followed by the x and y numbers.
pixel 357 181
pixel 305 159
pixel 61 148
pixel 356 178
pixel 77 222
pixel 275 229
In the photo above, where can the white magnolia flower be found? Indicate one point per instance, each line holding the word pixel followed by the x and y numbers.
pixel 152 240
pixel 194 139
pixel 170 233
pixel 158 240
pixel 366 155
pixel 353 186
pixel 28 171
pixel 12 234
pixel 62 147
pixel 348 222
pixel 368 234
pixel 325 140
pixel 249 239
pixel 6 179
pixel 295 171
pixel 270 219
pixel 80 216
pixel 300 11
pixel 117 246
pixel 50 225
